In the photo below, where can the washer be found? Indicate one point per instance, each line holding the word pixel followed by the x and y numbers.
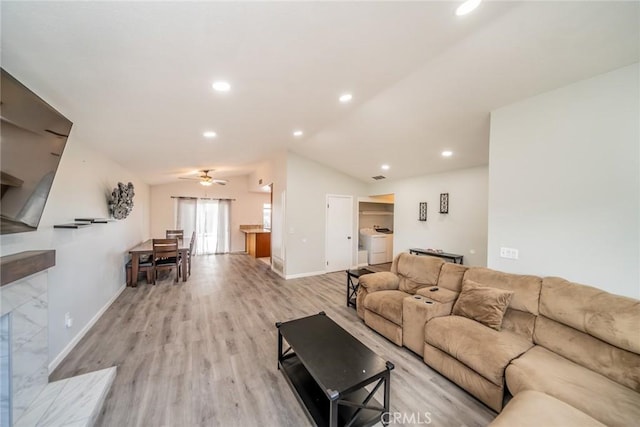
pixel 379 245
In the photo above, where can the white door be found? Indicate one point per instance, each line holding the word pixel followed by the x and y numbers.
pixel 339 242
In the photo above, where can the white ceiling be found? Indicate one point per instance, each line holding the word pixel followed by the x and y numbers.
pixel 135 78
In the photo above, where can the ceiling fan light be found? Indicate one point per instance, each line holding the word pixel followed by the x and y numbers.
pixel 206 183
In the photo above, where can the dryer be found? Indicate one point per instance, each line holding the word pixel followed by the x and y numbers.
pixel 379 245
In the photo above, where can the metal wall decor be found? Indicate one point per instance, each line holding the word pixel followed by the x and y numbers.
pixel 423 211
pixel 444 203
pixel 121 201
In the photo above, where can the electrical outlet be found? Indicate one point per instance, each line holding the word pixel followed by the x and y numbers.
pixel 508 253
pixel 68 320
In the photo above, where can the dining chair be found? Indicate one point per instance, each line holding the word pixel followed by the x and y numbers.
pixel 191 248
pixel 165 256
pixel 144 266
pixel 175 234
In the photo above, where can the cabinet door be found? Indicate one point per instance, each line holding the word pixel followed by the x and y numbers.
pixel 379 244
pixel 263 245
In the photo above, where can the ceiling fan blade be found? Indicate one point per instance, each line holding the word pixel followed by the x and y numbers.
pixel 190 179
pixel 220 181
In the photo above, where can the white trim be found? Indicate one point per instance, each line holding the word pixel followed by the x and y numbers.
pixel 327 269
pixel 297 276
pixel 65 351
pixel 277 272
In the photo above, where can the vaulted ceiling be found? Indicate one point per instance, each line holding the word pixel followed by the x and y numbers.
pixel 135 78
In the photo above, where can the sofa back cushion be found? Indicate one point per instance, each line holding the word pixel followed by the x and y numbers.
pixel 523 308
pixel 416 271
pixel 451 276
pixel 592 328
pixel 612 318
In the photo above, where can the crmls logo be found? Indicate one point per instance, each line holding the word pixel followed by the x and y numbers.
pixel 404 418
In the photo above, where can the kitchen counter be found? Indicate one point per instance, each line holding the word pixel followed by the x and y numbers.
pixel 257 242
pixel 256 230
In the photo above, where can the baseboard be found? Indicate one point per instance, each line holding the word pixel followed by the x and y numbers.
pixel 65 351
pixel 279 273
pixel 297 276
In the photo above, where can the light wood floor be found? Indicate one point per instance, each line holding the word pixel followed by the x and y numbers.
pixel 203 353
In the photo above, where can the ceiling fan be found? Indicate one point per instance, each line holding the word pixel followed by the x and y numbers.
pixel 207 180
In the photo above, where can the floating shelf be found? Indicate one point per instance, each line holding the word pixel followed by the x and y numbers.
pixel 84 222
pixel 94 220
pixel 385 213
pixel 73 225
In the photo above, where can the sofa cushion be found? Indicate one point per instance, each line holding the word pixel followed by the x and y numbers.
pixel 482 349
pixel 482 304
pixel 619 365
pixel 523 308
pixel 384 327
pixel 439 294
pixel 416 271
pixel 526 288
pixel 481 388
pixel 611 318
pixel 387 304
pixel 451 276
pixel 605 400
pixel 533 409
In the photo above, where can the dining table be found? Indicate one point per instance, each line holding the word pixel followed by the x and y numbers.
pixel 146 248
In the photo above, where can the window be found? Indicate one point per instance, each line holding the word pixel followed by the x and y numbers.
pixel 211 221
pixel 266 216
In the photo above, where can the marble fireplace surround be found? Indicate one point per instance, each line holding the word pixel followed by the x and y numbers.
pixel 26 396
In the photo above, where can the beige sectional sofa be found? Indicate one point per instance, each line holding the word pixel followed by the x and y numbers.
pixel 570 348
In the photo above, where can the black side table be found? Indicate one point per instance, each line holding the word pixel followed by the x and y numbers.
pixel 352 287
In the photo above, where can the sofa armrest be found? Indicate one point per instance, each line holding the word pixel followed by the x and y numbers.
pixel 382 281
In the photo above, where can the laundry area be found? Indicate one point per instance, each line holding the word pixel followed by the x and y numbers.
pixel 375 221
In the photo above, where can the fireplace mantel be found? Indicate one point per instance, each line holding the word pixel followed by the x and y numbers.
pixel 17 266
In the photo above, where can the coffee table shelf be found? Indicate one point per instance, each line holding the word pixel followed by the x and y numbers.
pixel 317 404
pixel 328 370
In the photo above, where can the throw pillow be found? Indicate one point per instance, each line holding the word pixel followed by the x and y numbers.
pixel 482 304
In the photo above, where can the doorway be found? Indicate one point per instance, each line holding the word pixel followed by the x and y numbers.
pixel 267 220
pixel 339 232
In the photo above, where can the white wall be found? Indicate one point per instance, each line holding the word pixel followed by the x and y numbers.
pixel 89 269
pixel 308 184
pixel 274 171
pixel 564 185
pixel 462 231
pixel 246 209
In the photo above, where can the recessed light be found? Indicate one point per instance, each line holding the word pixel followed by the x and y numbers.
pixel 447 153
pixel 209 134
pixel 221 86
pixel 467 7
pixel 345 98
pixel 297 133
pixel 384 167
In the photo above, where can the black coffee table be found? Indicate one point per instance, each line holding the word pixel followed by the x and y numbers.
pixel 328 369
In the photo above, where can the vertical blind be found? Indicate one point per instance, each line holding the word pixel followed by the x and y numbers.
pixel 210 219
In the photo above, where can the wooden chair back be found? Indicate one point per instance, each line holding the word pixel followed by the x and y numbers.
pixel 165 256
pixel 192 245
pixel 175 234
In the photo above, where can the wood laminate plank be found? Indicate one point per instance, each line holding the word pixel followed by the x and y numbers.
pixel 203 353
